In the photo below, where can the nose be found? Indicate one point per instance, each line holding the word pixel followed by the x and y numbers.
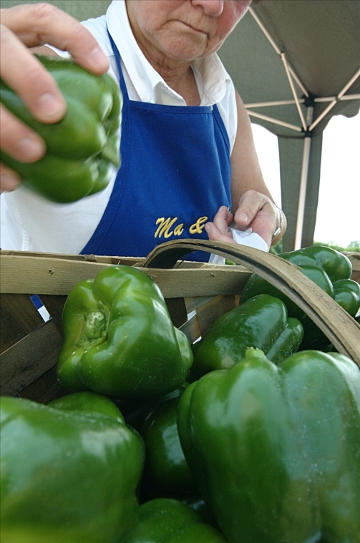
pixel 213 8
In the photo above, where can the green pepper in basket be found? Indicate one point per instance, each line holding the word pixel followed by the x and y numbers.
pixel 166 472
pixel 69 471
pixel 347 294
pixel 276 449
pixel 326 267
pixel 261 322
pixel 335 264
pixel 83 145
pixel 323 265
pixel 119 339
pixel 165 520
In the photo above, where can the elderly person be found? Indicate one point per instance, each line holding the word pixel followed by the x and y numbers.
pixel 186 142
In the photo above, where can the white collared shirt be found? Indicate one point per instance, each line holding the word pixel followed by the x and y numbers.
pixel 145 84
pixel 32 223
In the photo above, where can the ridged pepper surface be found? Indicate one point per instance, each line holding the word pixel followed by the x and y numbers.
pixel 261 322
pixel 276 449
pixel 347 294
pixel 83 146
pixel 119 339
pixel 69 471
pixel 330 270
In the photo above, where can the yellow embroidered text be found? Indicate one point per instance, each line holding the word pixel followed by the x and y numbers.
pixel 198 226
pixel 165 225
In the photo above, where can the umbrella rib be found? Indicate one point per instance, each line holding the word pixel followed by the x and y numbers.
pixel 340 98
pixel 302 101
pixel 286 66
pixel 274 121
pixel 275 103
pixel 335 101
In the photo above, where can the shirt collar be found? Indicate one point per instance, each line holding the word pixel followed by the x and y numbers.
pixel 210 74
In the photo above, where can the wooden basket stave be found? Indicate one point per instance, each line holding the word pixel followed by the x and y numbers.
pixel 205 291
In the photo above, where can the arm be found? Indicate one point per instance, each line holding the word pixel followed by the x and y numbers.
pixel 28 26
pixel 253 204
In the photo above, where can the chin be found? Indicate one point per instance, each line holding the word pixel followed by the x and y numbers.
pixel 181 49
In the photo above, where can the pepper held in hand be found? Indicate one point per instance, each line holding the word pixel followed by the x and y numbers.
pixel 119 339
pixel 83 145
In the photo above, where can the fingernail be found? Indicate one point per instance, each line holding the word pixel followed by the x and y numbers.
pixel 98 57
pixel 9 182
pixel 242 217
pixel 50 105
pixel 30 148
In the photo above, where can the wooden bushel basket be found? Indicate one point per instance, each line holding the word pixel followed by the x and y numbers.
pixel 196 295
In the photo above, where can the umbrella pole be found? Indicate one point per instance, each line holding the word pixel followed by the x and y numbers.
pixel 303 182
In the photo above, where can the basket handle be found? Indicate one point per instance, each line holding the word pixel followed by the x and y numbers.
pixel 338 326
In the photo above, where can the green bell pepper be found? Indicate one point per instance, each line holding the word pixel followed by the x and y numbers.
pixel 258 285
pixel 165 520
pixel 119 339
pixel 335 264
pixel 69 471
pixel 166 472
pixel 324 266
pixel 347 294
pixel 261 322
pixel 83 145
pixel 276 449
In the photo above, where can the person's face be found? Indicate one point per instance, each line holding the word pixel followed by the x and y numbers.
pixel 183 30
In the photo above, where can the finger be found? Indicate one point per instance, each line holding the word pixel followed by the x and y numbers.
pixel 249 205
pixel 18 140
pixel 223 219
pixel 39 24
pixel 214 234
pixel 29 79
pixel 34 25
pixel 9 180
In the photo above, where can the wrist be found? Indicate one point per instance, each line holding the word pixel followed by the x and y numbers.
pixel 281 222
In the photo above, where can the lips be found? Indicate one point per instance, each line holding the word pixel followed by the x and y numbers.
pixel 193 27
pixel 196 29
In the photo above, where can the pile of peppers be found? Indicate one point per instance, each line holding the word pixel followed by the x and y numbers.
pixel 83 147
pixel 243 437
pixel 331 271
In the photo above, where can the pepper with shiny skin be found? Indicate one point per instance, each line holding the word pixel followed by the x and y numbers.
pixel 261 322
pixel 69 471
pixel 83 145
pixel 119 339
pixel 165 520
pixel 166 472
pixel 330 270
pixel 276 449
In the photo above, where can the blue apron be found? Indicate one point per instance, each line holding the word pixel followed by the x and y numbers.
pixel 174 175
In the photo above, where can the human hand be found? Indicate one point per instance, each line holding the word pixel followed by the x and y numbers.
pixel 27 26
pixel 255 211
pixel 218 230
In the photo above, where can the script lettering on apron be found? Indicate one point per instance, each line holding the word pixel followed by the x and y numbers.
pixel 198 226
pixel 165 225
